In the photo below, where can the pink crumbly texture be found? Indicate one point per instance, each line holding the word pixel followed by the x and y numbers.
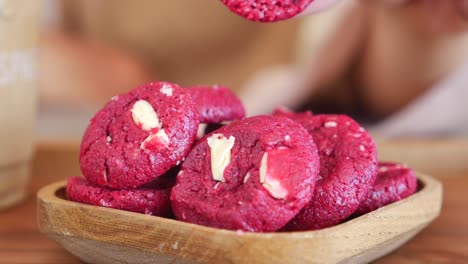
pixel 216 104
pixel 267 10
pixel 241 202
pixel 111 153
pixel 394 182
pixel 151 200
pixel 348 167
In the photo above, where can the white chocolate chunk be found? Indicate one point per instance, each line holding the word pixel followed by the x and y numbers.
pixel 263 167
pixel 160 137
pixel 275 188
pixel 143 114
pixel 104 203
pixel 362 148
pixel 247 176
pixel 271 184
pixel 220 150
pixel 167 90
pixel 329 124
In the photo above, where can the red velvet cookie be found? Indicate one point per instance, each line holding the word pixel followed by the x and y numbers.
pixel 393 183
pixel 348 167
pixel 267 10
pixel 216 104
pixel 150 201
pixel 254 174
pixel 139 136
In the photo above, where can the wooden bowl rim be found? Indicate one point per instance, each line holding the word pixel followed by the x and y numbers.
pixel 49 194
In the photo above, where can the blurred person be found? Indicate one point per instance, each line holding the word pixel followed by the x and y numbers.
pixel 398 66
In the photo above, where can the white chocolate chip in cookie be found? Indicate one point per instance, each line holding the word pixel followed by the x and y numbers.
pixel 247 176
pixel 263 167
pixel 275 188
pixel 270 182
pixel 220 151
pixel 143 115
pixel 329 124
pixel 160 138
pixel 167 90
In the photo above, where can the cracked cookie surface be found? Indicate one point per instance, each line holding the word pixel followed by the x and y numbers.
pixel 394 182
pixel 348 167
pixel 254 174
pixel 139 136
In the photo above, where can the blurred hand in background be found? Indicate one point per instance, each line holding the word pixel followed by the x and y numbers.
pixel 378 60
pixel 373 59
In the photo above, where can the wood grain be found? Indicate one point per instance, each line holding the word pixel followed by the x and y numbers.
pixel 444 241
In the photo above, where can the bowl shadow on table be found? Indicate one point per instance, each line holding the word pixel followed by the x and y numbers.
pixel 103 235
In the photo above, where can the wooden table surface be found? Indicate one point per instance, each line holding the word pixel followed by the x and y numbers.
pixel 444 241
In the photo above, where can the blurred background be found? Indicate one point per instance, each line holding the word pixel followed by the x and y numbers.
pixel 401 70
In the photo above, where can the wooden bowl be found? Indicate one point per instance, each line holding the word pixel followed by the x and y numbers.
pixel 102 235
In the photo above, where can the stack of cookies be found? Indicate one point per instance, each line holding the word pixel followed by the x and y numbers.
pixel 281 172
